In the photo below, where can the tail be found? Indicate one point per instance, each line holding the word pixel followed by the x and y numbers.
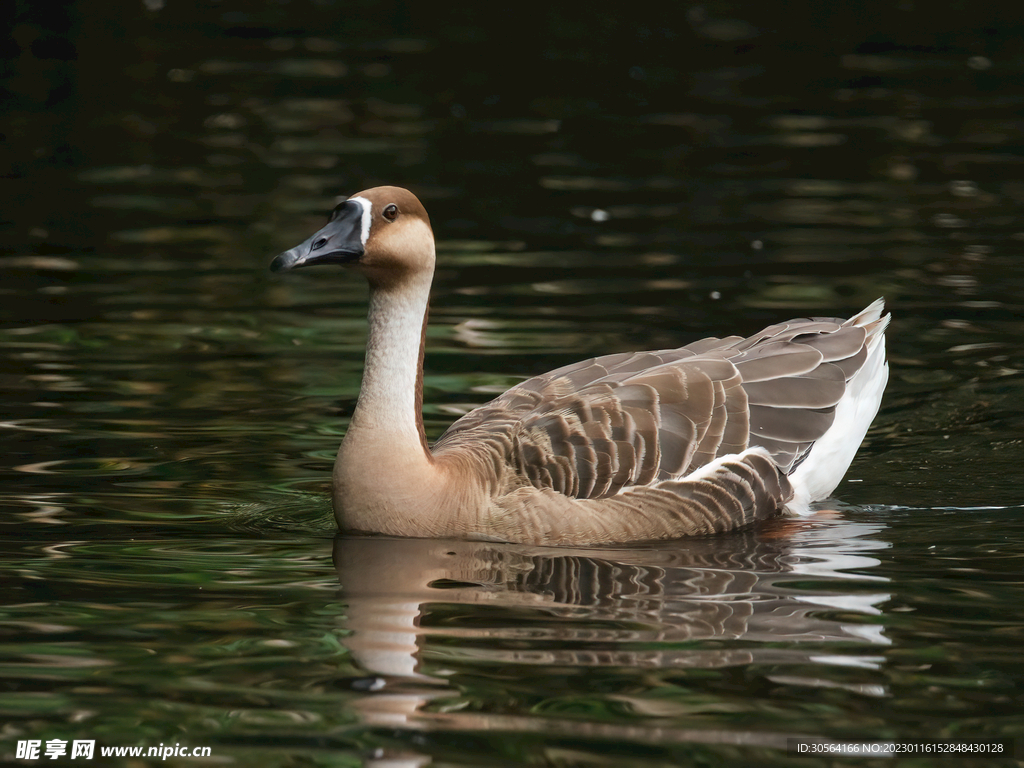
pixel 832 454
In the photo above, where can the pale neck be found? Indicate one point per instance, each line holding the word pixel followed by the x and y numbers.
pixel 390 398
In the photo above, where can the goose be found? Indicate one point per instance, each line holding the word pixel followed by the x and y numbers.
pixel 628 447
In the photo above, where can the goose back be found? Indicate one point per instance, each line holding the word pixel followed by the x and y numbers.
pixel 596 428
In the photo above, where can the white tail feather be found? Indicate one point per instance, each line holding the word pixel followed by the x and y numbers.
pixel 831 456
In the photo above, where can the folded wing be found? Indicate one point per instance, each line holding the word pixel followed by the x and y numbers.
pixel 597 428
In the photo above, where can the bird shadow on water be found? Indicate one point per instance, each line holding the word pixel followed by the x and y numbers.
pixel 428 619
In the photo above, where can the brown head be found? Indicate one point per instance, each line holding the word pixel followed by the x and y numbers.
pixel 384 232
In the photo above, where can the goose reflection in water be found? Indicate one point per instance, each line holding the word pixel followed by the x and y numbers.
pixel 747 598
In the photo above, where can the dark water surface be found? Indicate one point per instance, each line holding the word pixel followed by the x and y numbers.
pixel 598 181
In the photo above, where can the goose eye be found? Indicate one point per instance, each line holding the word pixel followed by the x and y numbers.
pixel 390 212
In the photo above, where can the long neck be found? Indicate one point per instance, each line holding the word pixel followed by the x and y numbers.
pixel 391 397
pixel 385 478
pixel 384 469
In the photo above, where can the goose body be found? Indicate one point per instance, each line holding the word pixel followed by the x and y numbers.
pixel 706 438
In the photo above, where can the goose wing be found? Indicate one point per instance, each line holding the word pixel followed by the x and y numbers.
pixel 592 429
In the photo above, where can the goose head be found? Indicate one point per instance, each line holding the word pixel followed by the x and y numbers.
pixel 383 232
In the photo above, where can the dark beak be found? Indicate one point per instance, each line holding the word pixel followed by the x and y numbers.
pixel 340 242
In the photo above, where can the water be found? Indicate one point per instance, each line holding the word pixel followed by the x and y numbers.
pixel 172 410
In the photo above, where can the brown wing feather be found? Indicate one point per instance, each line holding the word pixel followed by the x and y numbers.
pixel 594 428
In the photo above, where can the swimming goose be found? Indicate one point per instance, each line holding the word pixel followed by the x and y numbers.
pixel 706 438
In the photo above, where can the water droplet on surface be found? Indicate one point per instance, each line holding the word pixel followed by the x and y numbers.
pixel 900 170
pixel 963 188
pixel 948 220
